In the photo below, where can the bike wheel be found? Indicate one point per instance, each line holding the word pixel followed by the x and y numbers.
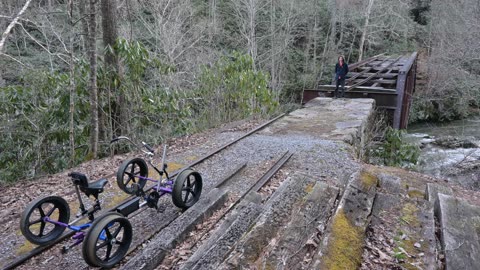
pixel 187 188
pixel 32 222
pixel 107 241
pixel 129 173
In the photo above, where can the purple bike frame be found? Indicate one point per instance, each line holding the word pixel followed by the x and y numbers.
pixel 163 190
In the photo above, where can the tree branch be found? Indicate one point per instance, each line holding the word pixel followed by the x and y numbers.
pixel 13 58
pixel 12 23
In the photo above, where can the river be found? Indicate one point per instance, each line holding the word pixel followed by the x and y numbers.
pixel 460 165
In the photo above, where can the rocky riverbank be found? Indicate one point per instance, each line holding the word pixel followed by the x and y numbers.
pixel 449 155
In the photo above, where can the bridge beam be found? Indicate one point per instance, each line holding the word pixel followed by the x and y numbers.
pixel 405 89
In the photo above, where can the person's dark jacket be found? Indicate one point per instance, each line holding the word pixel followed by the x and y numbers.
pixel 341 71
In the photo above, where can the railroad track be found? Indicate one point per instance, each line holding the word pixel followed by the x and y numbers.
pixel 261 182
pixel 159 253
pixel 41 249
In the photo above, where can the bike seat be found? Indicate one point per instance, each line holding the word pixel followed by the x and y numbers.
pixel 92 188
pixel 98 185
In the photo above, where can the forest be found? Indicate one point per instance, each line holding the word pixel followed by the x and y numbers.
pixel 74 74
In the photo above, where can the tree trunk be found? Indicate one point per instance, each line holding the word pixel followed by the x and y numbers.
pixel 333 25
pixel 324 53
pixel 351 45
pixel 112 65
pixel 71 85
pixel 342 30
pixel 365 29
pixel 314 57
pixel 92 55
pixel 212 13
pixel 110 32
pixel 272 48
pixel 83 14
pixel 252 41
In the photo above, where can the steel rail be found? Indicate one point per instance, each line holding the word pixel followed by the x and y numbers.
pixel 38 250
pixel 253 188
pixel 230 176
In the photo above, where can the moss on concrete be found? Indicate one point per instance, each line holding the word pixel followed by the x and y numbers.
pixel 368 180
pixel 26 247
pixel 172 166
pixel 344 250
pixel 309 188
pixel 409 214
pixel 408 245
pixel 118 198
pixel 414 193
pixel 191 158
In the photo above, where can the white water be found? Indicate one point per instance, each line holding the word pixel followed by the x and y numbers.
pixel 440 162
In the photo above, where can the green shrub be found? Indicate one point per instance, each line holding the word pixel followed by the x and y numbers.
pixel 395 151
pixel 232 89
pixel 35 117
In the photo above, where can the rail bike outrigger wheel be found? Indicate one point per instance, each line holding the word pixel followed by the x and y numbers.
pixel 131 175
pixel 37 221
pixel 107 241
pixel 187 188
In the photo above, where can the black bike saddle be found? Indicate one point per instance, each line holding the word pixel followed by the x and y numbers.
pixel 92 188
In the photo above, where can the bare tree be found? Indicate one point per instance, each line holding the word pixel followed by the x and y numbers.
pixel 180 39
pixel 82 6
pixel 368 11
pixel 246 13
pixel 92 56
pixel 112 67
pixel 71 85
pixel 454 62
pixel 212 14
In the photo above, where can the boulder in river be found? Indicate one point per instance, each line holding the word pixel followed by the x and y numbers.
pixel 456 142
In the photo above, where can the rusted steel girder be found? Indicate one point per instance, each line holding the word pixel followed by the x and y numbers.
pixel 405 89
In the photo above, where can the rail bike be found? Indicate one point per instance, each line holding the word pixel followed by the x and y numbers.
pixel 132 177
pixel 107 238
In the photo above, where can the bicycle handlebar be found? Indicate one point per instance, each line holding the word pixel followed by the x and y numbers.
pixel 149 148
pixel 150 152
pixel 120 138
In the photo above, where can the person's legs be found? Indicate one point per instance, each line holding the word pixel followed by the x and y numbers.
pixel 342 82
pixel 337 82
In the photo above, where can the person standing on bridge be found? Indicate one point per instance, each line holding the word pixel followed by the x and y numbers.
pixel 341 70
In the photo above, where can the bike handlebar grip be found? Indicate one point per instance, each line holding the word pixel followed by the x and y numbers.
pixel 114 140
pixel 148 147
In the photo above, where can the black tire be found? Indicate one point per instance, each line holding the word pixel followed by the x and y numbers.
pixel 117 231
pixel 128 175
pixel 38 231
pixel 187 188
